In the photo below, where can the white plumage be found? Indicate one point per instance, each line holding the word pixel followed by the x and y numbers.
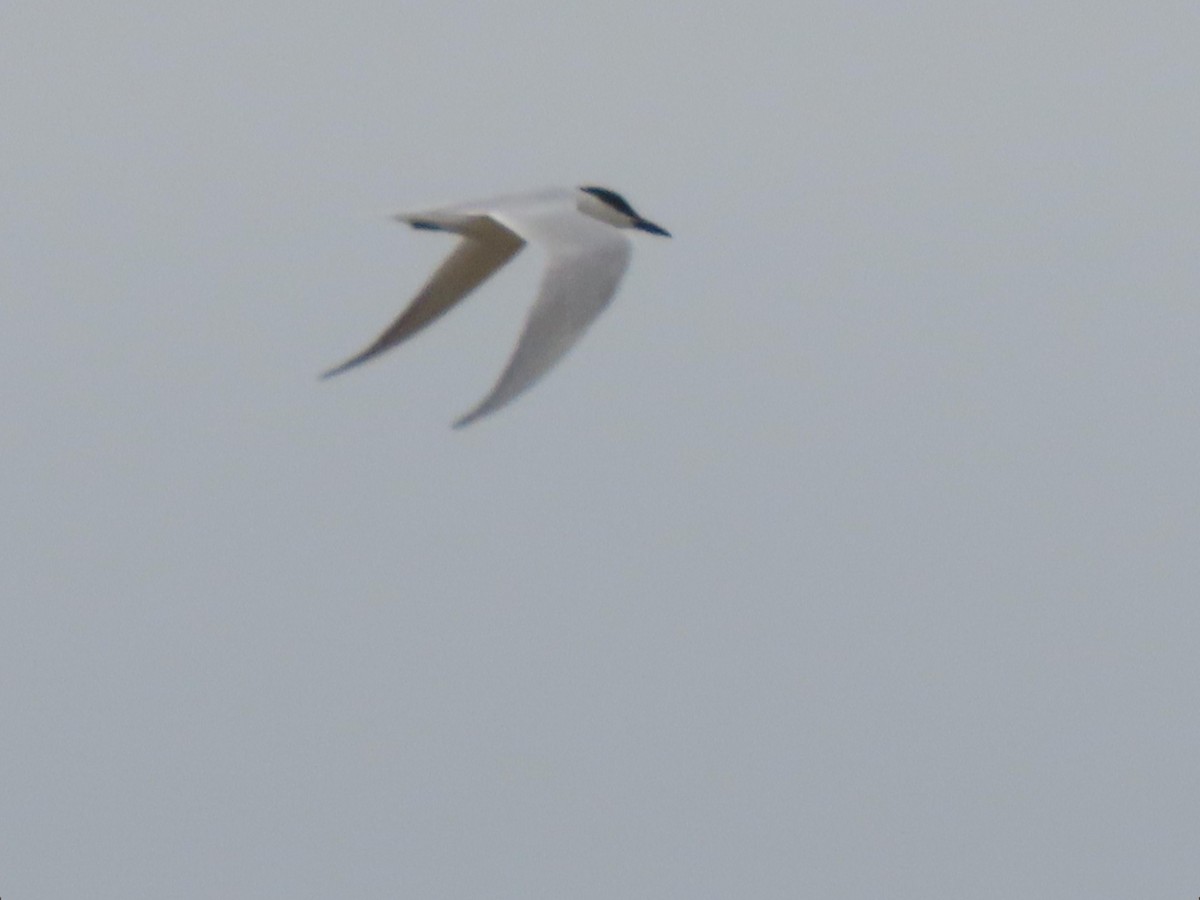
pixel 586 256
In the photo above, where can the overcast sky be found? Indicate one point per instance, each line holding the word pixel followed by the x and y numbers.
pixel 855 552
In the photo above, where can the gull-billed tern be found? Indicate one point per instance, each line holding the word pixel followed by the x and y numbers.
pixel 586 257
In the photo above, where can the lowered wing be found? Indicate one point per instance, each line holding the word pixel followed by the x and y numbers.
pixel 586 261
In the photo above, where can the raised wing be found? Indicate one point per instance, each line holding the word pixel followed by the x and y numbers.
pixel 586 261
pixel 486 245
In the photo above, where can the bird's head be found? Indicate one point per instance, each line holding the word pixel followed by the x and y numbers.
pixel 609 206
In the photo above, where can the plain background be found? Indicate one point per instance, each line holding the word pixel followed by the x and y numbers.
pixel 854 553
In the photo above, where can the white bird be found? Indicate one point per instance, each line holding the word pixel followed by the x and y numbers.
pixel 586 257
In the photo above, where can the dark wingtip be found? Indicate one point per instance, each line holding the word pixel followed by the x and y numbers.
pixel 338 370
pixel 463 421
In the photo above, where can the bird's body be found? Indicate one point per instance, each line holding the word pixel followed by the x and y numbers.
pixel 586 256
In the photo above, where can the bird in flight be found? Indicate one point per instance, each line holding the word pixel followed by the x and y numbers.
pixel 580 229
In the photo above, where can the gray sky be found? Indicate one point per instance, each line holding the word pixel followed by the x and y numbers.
pixel 855 552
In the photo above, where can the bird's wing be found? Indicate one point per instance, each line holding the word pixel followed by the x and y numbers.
pixel 586 259
pixel 485 246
